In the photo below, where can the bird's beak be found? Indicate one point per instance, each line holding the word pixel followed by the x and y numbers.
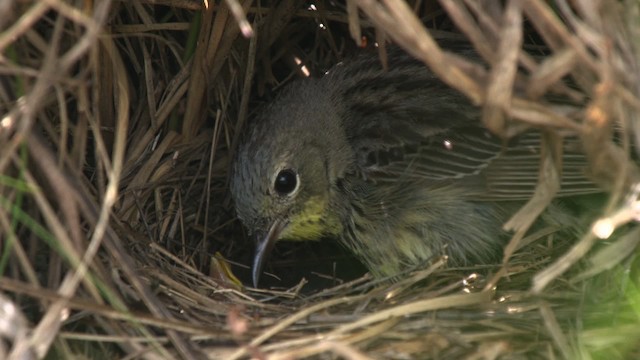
pixel 264 246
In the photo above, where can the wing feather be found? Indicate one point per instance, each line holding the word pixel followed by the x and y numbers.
pixel 406 125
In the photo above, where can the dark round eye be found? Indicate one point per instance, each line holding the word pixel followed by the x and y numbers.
pixel 286 182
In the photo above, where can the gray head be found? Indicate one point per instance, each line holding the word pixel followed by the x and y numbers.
pixel 284 170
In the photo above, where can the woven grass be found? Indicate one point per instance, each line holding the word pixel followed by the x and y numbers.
pixel 118 120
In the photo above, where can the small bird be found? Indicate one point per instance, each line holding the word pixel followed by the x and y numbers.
pixel 392 163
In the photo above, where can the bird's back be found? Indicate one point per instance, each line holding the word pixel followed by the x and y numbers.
pixel 429 178
pixel 405 123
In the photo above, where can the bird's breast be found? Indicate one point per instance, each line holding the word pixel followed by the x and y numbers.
pixel 313 222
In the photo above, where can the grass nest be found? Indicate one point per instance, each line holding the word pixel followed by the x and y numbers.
pixel 118 239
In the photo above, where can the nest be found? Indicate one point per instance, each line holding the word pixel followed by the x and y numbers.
pixel 118 236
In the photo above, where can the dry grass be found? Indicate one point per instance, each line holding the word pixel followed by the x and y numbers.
pixel 118 119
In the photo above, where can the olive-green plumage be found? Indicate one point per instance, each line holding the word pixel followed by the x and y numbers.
pixel 393 164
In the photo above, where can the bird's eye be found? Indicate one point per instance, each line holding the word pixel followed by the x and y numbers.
pixel 286 182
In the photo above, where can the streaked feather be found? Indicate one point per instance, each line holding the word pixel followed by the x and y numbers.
pixel 405 123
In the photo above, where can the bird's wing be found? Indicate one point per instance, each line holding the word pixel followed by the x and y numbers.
pixel 491 168
pixel 405 123
pixel 444 156
pixel 516 172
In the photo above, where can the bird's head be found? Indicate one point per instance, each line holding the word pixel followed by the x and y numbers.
pixel 285 168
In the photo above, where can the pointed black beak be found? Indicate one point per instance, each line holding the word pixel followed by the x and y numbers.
pixel 264 246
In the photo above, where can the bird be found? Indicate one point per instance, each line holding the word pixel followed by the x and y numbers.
pixel 392 163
